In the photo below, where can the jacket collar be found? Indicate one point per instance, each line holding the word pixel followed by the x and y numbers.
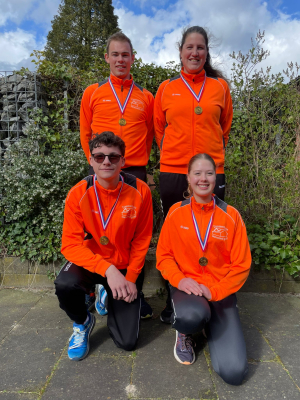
pixel 119 82
pixel 199 206
pixel 193 78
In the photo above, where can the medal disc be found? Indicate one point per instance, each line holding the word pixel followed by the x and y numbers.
pixel 104 240
pixel 198 110
pixel 122 121
pixel 203 261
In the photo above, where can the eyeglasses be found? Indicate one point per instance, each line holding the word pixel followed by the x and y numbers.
pixel 100 157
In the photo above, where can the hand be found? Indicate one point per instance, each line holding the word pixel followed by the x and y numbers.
pixel 118 283
pixel 206 292
pixel 190 286
pixel 133 292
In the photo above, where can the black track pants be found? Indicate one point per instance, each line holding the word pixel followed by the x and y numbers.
pixel 123 319
pixel 223 327
pixel 172 186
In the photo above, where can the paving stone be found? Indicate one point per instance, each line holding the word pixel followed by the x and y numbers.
pixel 47 314
pixel 287 345
pixel 91 378
pixel 28 356
pixel 257 347
pixel 265 381
pixel 18 396
pixel 14 304
pixel 270 312
pixel 157 374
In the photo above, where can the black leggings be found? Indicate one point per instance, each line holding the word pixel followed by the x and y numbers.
pixel 123 319
pixel 223 327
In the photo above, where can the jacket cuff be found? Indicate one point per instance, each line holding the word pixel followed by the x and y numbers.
pixel 214 296
pixel 131 276
pixel 176 279
pixel 102 267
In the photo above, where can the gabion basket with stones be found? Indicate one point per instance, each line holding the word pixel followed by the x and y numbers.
pixel 18 95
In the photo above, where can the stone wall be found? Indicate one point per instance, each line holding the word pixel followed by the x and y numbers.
pixel 14 273
pixel 18 95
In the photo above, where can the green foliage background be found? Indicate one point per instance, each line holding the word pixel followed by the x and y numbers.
pixel 262 159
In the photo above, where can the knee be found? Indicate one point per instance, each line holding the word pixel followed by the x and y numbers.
pixel 234 373
pixel 63 286
pixel 192 321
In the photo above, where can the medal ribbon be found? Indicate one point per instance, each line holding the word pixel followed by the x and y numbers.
pixel 106 222
pixel 197 97
pixel 203 243
pixel 122 107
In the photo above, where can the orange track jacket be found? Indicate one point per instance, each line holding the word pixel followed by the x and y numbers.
pixel 228 250
pixel 129 230
pixel 100 112
pixel 180 133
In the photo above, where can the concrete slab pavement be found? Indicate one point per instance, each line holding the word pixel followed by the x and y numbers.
pixel 34 334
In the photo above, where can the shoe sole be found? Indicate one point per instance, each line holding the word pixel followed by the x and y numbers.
pixel 88 340
pixel 178 359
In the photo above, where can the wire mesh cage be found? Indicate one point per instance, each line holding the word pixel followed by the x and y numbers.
pixel 19 94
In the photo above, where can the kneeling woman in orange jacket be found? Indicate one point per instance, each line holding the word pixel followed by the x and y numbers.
pixel 203 251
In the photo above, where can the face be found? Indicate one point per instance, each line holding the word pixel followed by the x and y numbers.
pixel 107 171
pixel 193 54
pixel 202 179
pixel 120 59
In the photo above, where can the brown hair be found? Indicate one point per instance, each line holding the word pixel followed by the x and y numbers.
pixel 209 69
pixel 108 139
pixel 118 37
pixel 196 157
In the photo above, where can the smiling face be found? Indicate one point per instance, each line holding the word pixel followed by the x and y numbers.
pixel 202 179
pixel 107 173
pixel 193 53
pixel 119 59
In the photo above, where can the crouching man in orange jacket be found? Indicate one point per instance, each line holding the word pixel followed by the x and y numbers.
pixel 106 234
pixel 203 251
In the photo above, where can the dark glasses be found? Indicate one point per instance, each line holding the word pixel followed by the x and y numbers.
pixel 100 157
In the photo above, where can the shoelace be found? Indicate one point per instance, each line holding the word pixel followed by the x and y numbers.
pixel 186 342
pixel 78 336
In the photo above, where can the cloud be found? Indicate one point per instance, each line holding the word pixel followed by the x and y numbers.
pixel 40 12
pixel 233 24
pixel 16 47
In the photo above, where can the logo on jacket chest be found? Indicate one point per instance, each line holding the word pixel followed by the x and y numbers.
pixel 129 212
pixel 137 104
pixel 219 232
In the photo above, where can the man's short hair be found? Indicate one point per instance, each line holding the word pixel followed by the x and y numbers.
pixel 118 37
pixel 108 139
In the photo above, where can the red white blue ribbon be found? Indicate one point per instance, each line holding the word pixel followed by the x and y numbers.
pixel 103 221
pixel 122 107
pixel 197 97
pixel 203 243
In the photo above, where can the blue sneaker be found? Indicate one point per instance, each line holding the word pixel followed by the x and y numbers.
pixel 101 300
pixel 79 341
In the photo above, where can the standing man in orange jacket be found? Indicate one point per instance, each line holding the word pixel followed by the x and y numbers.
pixel 106 234
pixel 120 105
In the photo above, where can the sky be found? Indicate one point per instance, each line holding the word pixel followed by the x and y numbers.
pixel 155 27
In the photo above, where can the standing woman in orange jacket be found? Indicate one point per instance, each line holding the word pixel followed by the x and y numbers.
pixel 203 251
pixel 192 114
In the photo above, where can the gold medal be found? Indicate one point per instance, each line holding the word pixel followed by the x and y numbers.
pixel 104 240
pixel 122 121
pixel 203 261
pixel 198 110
